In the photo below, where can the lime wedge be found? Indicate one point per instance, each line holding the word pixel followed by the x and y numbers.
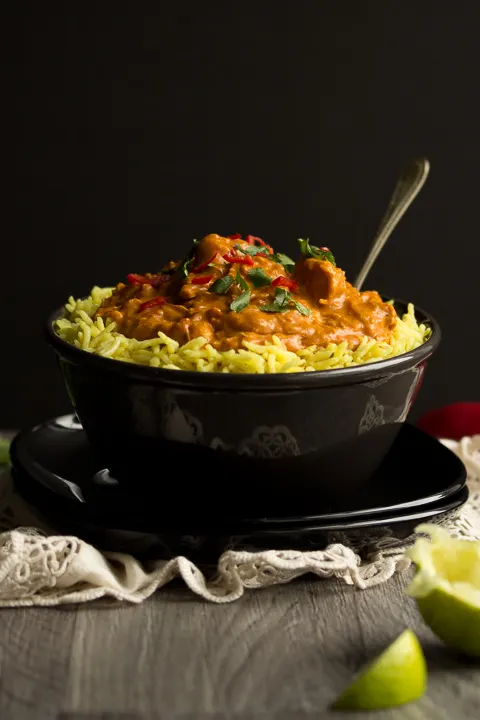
pixel 396 677
pixel 447 587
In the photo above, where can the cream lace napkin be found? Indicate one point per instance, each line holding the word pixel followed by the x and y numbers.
pixel 38 567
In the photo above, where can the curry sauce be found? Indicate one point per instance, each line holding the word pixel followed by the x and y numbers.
pixel 230 290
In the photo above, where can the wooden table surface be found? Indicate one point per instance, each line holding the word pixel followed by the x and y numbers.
pixel 281 652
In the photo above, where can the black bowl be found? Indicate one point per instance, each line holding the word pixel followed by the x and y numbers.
pixel 187 437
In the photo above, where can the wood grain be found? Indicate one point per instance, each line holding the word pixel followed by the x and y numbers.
pixel 34 662
pixel 282 652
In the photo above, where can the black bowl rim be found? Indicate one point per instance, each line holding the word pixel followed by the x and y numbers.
pixel 249 381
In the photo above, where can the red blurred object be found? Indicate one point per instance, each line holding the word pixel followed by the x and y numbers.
pixel 452 421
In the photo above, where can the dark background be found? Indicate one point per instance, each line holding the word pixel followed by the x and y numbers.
pixel 131 133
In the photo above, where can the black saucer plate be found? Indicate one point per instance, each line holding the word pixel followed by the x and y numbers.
pixel 55 470
pixel 205 546
pixel 56 459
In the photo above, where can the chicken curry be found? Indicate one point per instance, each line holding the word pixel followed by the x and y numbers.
pixel 230 290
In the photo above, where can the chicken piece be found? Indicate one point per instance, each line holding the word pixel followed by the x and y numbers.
pixel 377 317
pixel 324 282
pixel 210 245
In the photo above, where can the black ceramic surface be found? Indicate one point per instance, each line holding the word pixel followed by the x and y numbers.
pixel 242 434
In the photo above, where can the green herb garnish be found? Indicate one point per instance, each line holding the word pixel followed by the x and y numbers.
pixel 284 301
pixel 301 308
pixel 252 250
pixel 240 281
pixel 284 260
pixel 221 285
pixel 241 302
pixel 280 302
pixel 308 250
pixel 259 277
pixel 184 267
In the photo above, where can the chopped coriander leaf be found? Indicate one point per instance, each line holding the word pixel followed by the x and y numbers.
pixel 308 251
pixel 241 302
pixel 221 285
pixel 281 295
pixel 186 263
pixel 185 267
pixel 272 308
pixel 240 281
pixel 283 301
pixel 280 302
pixel 284 260
pixel 301 308
pixel 259 277
pixel 251 250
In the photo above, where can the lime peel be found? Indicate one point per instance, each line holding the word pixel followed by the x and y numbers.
pixel 396 677
pixel 447 587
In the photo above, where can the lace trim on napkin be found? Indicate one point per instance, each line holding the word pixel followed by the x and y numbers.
pixel 40 568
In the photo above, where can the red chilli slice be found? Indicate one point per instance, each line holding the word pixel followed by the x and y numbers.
pixel 253 240
pixel 159 300
pixel 282 281
pixel 205 264
pixel 236 236
pixel 155 281
pixel 239 259
pixel 201 279
pixel 135 279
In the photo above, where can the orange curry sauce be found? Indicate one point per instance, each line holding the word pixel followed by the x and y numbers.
pixel 229 290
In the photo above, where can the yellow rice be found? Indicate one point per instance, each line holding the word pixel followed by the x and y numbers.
pixel 79 329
